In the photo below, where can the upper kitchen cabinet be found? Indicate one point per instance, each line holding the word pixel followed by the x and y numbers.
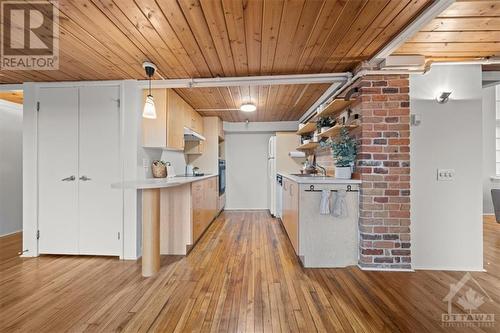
pixel 173 114
pixel 220 129
pixel 192 119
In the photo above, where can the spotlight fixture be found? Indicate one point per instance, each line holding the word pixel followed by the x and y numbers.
pixel 248 107
pixel 149 106
pixel 444 97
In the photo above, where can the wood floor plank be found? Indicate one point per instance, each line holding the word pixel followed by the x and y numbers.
pixel 242 276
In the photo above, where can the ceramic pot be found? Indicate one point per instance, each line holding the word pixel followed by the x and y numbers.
pixel 343 172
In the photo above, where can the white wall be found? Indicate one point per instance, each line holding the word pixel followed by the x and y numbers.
pixel 489 147
pixel 11 176
pixel 447 216
pixel 246 170
pixel 177 160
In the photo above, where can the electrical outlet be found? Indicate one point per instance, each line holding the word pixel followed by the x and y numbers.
pixel 145 163
pixel 445 174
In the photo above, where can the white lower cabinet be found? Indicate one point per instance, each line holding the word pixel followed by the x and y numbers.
pixel 78 159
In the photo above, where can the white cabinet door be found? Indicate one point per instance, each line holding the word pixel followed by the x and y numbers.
pixel 100 205
pixel 58 160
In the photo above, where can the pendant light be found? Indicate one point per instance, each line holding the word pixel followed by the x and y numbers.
pixel 149 110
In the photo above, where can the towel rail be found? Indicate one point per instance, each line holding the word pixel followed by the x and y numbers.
pixel 349 189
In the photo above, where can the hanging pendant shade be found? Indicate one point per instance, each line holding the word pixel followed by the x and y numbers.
pixel 149 110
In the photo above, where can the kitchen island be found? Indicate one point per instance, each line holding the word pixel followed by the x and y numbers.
pixel 175 213
pixel 329 240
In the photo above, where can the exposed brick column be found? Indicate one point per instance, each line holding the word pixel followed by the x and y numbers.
pixel 384 167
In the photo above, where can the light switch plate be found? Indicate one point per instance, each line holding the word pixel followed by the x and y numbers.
pixel 445 174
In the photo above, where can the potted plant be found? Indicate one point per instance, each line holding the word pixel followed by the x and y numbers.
pixel 324 123
pixel 306 138
pixel 344 150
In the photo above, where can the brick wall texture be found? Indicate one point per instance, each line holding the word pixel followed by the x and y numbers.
pixel 384 167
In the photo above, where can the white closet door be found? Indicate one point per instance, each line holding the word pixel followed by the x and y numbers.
pixel 100 205
pixel 58 170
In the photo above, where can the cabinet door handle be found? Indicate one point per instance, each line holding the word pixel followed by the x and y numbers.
pixel 68 179
pixel 85 178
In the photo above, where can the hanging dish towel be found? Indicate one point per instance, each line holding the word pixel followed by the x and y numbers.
pixel 324 207
pixel 340 204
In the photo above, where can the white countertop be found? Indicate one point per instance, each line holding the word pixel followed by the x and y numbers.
pixel 150 183
pixel 318 179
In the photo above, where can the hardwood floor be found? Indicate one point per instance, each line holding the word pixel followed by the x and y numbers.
pixel 242 276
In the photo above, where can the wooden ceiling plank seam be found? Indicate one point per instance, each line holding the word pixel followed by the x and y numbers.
pixel 235 27
pixel 322 20
pixel 155 16
pixel 392 9
pixel 294 99
pixel 464 24
pixel 216 21
pixel 335 36
pixel 322 35
pixel 143 26
pixel 84 37
pixel 455 37
pixel 358 28
pixel 472 8
pixel 174 15
pixel 271 11
pixel 403 19
pixel 193 14
pixel 253 13
pixel 286 101
pixel 146 51
pixel 307 27
pixel 104 34
pixel 290 18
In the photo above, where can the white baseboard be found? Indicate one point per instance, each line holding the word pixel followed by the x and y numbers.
pixel 382 269
pixel 451 269
pixel 11 233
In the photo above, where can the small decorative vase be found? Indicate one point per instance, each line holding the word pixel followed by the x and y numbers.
pixel 307 141
pixel 343 172
pixel 324 129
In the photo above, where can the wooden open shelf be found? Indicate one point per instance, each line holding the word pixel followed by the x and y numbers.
pixel 308 128
pixel 335 130
pixel 334 107
pixel 307 146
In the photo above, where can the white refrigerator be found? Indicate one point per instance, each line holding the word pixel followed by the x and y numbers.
pixel 271 173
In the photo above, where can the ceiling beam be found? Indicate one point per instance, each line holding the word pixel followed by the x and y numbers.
pixel 428 14
pixel 248 81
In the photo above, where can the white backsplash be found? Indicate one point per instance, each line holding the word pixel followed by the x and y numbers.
pixel 177 159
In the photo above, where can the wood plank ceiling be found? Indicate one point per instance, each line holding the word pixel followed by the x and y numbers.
pixel 465 30
pixel 109 39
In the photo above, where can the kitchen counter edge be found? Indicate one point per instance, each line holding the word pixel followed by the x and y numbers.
pixel 319 180
pixel 151 183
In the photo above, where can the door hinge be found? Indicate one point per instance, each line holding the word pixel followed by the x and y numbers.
pixel 118 236
pixel 37 106
pixel 38 234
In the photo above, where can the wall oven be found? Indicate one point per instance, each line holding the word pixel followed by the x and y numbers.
pixel 222 177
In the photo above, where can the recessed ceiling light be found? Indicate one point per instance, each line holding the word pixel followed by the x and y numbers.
pixel 248 107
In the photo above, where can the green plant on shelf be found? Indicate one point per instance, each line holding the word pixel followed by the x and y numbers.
pixel 344 149
pixel 324 122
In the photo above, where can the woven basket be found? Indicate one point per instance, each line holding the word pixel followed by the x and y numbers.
pixel 159 170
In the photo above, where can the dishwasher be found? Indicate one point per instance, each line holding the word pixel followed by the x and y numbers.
pixel 327 240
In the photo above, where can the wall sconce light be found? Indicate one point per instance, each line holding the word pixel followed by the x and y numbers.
pixel 444 97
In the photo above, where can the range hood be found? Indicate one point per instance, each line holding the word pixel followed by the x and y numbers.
pixel 190 135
